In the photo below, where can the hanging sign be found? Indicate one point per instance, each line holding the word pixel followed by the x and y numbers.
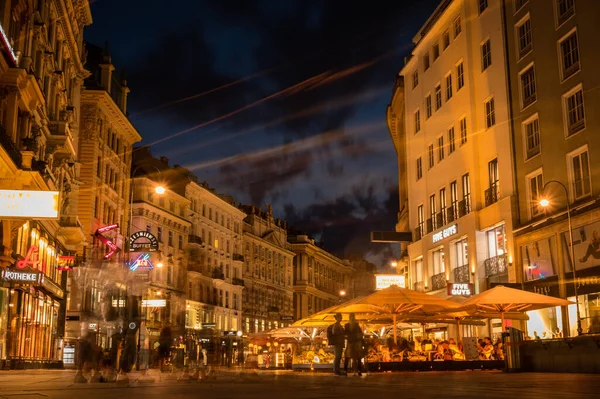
pixel 22 276
pixel 112 247
pixel 143 241
pixel 142 262
pixel 65 263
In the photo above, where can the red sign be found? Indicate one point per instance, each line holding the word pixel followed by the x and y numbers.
pixel 106 241
pixel 32 259
pixel 65 263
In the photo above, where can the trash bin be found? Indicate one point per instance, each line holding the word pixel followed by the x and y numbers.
pixel 511 341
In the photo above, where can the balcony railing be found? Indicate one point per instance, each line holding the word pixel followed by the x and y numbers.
pixel 452 213
pixel 218 274
pixel 418 233
pixel 439 219
pixel 192 239
pixel 420 286
pixel 430 225
pixel 492 194
pixel 496 265
pixel 533 151
pixel 464 207
pixel 238 257
pixel 438 281
pixel 461 274
pixel 10 147
pixel 237 281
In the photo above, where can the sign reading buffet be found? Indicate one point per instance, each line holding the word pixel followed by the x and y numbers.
pixel 447 232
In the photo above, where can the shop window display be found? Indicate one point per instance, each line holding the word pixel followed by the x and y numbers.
pixel 539 259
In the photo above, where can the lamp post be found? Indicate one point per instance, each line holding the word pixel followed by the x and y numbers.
pixel 158 190
pixel 544 202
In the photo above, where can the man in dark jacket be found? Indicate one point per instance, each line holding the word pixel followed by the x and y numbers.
pixel 337 340
pixel 355 337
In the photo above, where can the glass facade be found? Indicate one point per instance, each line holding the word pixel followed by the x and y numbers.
pixel 539 259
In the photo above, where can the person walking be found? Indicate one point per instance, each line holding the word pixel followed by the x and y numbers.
pixel 336 337
pixel 354 335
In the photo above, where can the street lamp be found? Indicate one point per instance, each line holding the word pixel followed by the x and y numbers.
pixel 394 264
pixel 544 202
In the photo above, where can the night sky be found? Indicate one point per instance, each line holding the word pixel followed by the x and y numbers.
pixel 272 101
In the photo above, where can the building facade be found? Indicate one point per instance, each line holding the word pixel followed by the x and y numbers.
pixel 41 73
pixel 320 279
pixel 459 168
pixel 552 57
pixel 96 288
pixel 268 297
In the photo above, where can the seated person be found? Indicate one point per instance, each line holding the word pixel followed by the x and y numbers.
pixel 487 351
pixel 499 351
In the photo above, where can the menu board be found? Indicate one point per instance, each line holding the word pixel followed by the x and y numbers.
pixel 69 354
pixel 470 348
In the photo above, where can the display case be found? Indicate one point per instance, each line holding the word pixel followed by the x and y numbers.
pixel 313 356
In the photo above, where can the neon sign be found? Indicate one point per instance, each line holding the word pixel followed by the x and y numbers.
pixel 135 244
pixel 111 245
pixel 65 263
pixel 142 262
pixel 32 259
pixel 447 232
pixel 18 276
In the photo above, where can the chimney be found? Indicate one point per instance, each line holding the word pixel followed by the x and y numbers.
pixel 164 160
pixel 106 70
pixel 124 92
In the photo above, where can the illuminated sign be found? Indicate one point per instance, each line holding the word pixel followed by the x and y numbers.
pixel 26 277
pixel 118 303
pixel 461 289
pixel 154 303
pixel 93 326
pixel 447 232
pixel 29 204
pixel 112 247
pixel 148 242
pixel 142 262
pixel 383 281
pixel 6 43
pixel 65 263
pixel 32 258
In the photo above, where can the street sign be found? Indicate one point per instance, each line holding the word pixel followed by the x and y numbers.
pixel 286 318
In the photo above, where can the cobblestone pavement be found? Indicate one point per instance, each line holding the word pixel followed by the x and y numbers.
pixel 289 385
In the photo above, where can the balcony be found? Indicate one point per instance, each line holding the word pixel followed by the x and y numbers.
pixel 10 147
pixel 237 281
pixel 273 309
pixel 60 135
pixel 192 239
pixel 452 213
pixel 418 233
pixel 492 194
pixel 430 225
pixel 438 281
pixel 218 274
pixel 440 218
pixel 461 274
pixel 496 266
pixel 420 286
pixel 464 207
pixel 238 257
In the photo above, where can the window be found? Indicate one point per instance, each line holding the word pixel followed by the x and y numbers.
pixel 159 234
pixel 454 199
pixel 448 87
pixel 180 242
pixel 490 113
pixel 451 143
pixel 430 152
pixel 170 238
pixel 531 131
pixel 466 188
pixel 569 52
pixel 535 188
pixel 460 76
pixel 438 97
pixel 519 4
pixel 463 131
pixel 426 62
pixel 492 194
pixel 457 27
pixel 575 115
pixel 418 271
pixel 486 55
pixel 525 37
pixel 580 174
pixel 528 90
pixel 428 106
pixel 432 211
pixel 417 121
pixel 420 220
pixel 438 262
pixel 436 51
pixel 440 148
pixel 443 205
pixel 496 240
pixel 565 9
pixel 482 5
pixel 446 39
pixel 415 79
pixel 419 168
pixel 462 259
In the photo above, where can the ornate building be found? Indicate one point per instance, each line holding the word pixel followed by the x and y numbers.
pixel 321 279
pixel 41 73
pixel 97 288
pixel 268 298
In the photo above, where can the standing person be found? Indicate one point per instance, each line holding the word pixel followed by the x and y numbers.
pixel 336 337
pixel 354 335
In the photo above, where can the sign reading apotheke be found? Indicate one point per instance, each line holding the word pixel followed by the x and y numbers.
pixel 461 289
pixel 447 232
pixel 21 276
pixel 142 240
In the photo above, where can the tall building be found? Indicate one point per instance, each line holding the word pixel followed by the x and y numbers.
pixel 157 275
pixel 320 279
pixel 41 73
pixel 458 149
pixel 268 297
pixel 552 60
pixel 96 288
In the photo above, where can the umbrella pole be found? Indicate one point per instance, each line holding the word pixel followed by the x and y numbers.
pixel 395 327
pixel 458 330
pixel 502 318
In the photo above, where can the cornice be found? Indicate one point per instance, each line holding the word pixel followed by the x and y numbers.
pixel 107 105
